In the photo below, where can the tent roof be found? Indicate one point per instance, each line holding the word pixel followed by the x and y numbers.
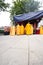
pixel 28 16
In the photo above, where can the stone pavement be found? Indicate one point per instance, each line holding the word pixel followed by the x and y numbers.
pixel 21 50
pixel 36 50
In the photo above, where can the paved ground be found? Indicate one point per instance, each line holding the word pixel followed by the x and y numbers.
pixel 21 50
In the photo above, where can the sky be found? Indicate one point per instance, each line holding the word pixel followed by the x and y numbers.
pixel 5 16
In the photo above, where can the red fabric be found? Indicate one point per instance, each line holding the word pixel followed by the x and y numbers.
pixel 38 31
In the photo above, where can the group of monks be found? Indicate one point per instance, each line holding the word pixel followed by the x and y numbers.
pixel 21 30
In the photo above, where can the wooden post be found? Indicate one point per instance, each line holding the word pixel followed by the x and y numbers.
pixel 35 26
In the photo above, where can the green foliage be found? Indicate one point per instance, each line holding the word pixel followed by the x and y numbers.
pixel 1 31
pixel 23 6
pixel 3 5
pixel 31 5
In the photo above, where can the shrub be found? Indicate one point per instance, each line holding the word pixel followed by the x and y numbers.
pixel 1 31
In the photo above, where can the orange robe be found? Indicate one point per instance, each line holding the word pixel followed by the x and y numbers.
pixel 41 29
pixel 12 30
pixel 21 29
pixel 28 29
pixel 18 29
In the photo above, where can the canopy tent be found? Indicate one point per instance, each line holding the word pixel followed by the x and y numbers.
pixel 28 16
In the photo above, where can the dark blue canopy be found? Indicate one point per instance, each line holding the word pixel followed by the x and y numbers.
pixel 28 16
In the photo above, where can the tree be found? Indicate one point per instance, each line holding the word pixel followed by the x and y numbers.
pixel 30 5
pixel 3 5
pixel 23 6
